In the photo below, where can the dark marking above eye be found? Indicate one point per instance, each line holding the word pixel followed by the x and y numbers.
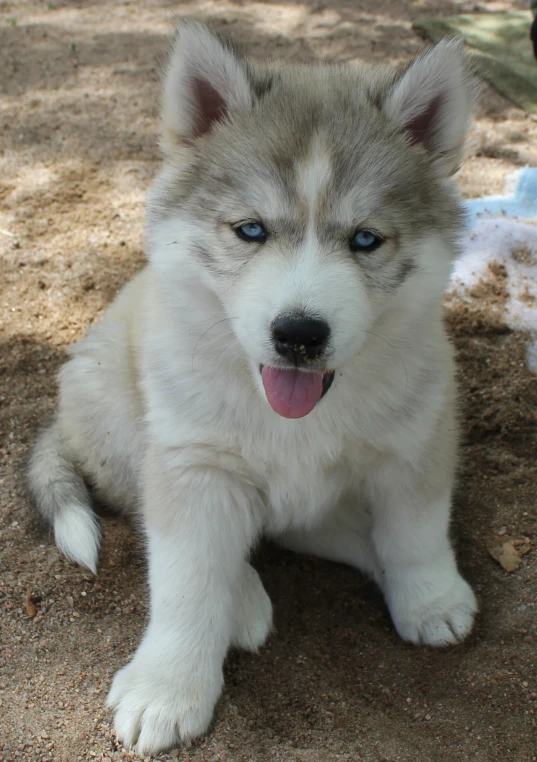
pixel 260 84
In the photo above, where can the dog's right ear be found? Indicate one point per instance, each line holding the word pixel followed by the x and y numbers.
pixel 205 83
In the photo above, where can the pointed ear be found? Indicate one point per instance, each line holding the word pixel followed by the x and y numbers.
pixel 432 103
pixel 205 82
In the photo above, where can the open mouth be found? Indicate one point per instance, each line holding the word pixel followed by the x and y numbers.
pixel 293 393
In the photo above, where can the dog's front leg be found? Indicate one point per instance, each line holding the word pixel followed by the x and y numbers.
pixel 429 601
pixel 200 522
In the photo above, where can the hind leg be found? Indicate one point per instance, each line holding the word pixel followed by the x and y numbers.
pixel 99 414
pixel 344 536
pixel 253 612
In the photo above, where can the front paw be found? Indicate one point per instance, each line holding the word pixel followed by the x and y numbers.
pixel 159 705
pixel 433 611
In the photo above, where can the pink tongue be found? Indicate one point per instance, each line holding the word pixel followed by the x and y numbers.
pixel 292 393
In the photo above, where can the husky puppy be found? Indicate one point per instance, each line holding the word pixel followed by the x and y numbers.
pixel 279 368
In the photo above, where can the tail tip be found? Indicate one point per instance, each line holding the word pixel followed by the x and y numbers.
pixel 77 534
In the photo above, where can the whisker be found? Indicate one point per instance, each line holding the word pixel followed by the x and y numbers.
pixel 223 320
pixel 400 356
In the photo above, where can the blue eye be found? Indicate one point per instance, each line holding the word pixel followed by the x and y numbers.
pixel 365 240
pixel 251 231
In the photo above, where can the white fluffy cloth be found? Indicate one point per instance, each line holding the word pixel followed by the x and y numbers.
pixel 503 229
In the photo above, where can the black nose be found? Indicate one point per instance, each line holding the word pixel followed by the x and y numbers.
pixel 300 338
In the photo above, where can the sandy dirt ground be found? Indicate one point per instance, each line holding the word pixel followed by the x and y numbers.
pixel 78 150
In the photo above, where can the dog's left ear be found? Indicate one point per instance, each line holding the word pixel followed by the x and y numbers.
pixel 432 103
pixel 205 83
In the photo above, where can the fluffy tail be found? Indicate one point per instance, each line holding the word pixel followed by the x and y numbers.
pixel 62 499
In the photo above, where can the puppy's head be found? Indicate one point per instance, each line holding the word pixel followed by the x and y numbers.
pixel 311 200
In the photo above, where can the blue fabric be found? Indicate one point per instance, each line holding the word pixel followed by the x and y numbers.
pixel 522 204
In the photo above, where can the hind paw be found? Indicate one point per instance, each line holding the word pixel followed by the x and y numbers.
pixel 253 612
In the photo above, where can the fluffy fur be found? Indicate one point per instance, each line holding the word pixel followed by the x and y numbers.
pixel 162 407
